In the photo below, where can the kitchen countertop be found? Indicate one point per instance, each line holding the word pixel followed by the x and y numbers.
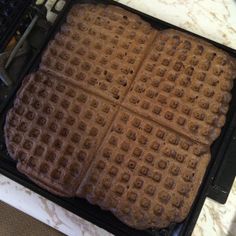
pixel 215 219
pixel 212 19
pixel 46 211
pixel 218 219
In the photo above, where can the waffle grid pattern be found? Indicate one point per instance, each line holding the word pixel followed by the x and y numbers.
pixel 121 42
pixel 146 170
pixel 185 85
pixel 54 131
pixel 122 115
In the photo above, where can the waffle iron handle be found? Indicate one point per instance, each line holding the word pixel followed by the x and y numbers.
pixel 225 174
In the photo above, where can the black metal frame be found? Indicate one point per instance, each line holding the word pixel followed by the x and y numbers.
pixel 218 178
pixel 9 20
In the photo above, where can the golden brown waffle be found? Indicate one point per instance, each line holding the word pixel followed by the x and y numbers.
pixel 53 131
pixel 100 49
pixel 121 115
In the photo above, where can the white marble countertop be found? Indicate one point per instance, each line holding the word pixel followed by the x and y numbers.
pixel 218 219
pixel 46 211
pixel 213 19
pixel 215 219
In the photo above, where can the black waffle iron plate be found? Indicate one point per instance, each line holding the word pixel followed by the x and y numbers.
pixel 220 172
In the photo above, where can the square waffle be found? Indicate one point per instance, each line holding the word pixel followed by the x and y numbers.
pixel 184 84
pixel 122 115
pixel 144 173
pixel 54 130
pixel 107 65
